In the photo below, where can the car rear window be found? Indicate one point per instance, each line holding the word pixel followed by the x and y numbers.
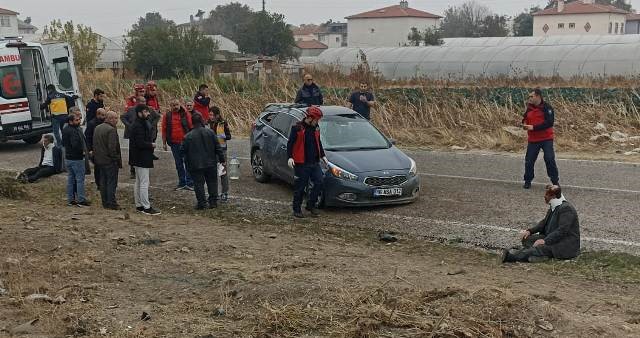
pixel 11 85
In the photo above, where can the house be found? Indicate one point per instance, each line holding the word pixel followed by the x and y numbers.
pixel 633 24
pixel 582 17
pixel 310 48
pixel 8 23
pixel 25 27
pixel 306 32
pixel 387 27
pixel 113 53
pixel 333 35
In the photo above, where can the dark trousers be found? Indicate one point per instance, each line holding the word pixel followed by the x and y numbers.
pixel 108 184
pixel 210 177
pixel 303 175
pixel 529 250
pixel 178 156
pixel 96 174
pixel 533 149
pixel 34 174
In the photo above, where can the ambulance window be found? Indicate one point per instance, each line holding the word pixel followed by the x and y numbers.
pixel 11 86
pixel 63 72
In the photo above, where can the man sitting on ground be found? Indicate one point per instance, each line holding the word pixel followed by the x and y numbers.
pixel 556 236
pixel 49 165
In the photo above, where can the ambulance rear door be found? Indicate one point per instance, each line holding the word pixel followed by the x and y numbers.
pixel 62 69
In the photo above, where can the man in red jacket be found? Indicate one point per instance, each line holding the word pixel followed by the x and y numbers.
pixel 152 96
pixel 201 102
pixel 176 123
pixel 305 153
pixel 538 122
pixel 132 101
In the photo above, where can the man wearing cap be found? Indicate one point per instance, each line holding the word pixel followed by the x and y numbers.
pixel 152 96
pixel 305 152
pixel 556 236
pixel 132 101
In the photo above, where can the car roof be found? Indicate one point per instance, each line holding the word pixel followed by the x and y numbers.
pixel 326 110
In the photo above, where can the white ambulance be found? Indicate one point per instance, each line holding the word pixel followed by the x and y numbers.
pixel 26 68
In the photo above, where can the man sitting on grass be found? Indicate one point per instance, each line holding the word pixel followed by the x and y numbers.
pixel 49 165
pixel 556 236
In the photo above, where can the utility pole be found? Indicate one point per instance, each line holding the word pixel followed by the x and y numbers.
pixel 263 5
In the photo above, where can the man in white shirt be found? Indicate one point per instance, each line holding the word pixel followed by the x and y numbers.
pixel 50 162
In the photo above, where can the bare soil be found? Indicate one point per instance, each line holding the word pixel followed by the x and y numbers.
pixel 222 273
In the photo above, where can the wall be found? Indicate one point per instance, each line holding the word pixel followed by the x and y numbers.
pixel 632 27
pixel 310 52
pixel 307 37
pixel 387 32
pixel 332 40
pixel 10 31
pixel 599 24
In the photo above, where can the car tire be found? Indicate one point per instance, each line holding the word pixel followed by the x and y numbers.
pixel 32 139
pixel 257 167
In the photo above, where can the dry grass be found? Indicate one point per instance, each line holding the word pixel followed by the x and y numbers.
pixel 435 120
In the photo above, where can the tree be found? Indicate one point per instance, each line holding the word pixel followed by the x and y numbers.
pixel 158 49
pixel 494 25
pixel 465 20
pixel 267 34
pixel 415 37
pixel 432 37
pixel 229 20
pixel 84 43
pixel 523 23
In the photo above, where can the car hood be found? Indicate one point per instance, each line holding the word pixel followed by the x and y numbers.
pixel 359 161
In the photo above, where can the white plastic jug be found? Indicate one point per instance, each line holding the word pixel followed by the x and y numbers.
pixel 234 169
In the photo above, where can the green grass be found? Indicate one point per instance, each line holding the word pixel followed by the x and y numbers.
pixel 600 266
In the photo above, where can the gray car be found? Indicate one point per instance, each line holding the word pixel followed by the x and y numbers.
pixel 365 168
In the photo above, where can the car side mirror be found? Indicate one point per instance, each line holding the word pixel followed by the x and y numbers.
pixel 393 141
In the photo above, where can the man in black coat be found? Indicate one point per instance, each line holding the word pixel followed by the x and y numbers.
pixel 141 148
pixel 309 94
pixel 88 136
pixel 202 154
pixel 556 236
pixel 96 103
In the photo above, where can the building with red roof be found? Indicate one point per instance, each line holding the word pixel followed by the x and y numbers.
pixel 581 17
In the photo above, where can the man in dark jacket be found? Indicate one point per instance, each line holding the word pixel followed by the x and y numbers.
pixel 49 165
pixel 309 94
pixel 538 122
pixel 362 100
pixel 221 128
pixel 202 154
pixel 96 103
pixel 88 136
pixel 129 118
pixel 108 159
pixel 141 148
pixel 75 151
pixel 305 152
pixel 556 236
pixel 175 125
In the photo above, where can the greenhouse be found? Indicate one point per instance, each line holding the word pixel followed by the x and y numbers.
pixel 472 58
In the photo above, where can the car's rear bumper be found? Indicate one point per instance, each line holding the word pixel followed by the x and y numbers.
pixel 335 187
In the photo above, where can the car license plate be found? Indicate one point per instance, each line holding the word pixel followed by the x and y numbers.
pixel 19 128
pixel 387 192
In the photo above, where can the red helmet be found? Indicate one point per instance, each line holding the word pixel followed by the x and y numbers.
pixel 151 85
pixel 314 112
pixel 138 87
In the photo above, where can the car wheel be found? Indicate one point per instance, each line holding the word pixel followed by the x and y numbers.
pixel 257 167
pixel 32 139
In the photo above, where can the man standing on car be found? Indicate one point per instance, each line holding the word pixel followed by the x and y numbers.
pixel 107 159
pixel 305 152
pixel 176 123
pixel 96 103
pixel 58 105
pixel 309 94
pixel 88 136
pixel 75 152
pixel 361 101
pixel 538 122
pixel 202 155
pixel 141 148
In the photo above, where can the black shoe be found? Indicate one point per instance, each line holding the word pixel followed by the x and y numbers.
pixel 155 158
pixel 151 211
pixel 72 204
pixel 213 205
pixel 84 204
pixel 298 214
pixel 224 198
pixel 188 187
pixel 139 209
pixel 313 211
pixel 527 185
pixel 113 207
pixel 200 207
pixel 502 257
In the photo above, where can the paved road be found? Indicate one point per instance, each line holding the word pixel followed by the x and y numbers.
pixel 471 198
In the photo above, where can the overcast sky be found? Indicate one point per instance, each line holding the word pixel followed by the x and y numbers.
pixel 114 17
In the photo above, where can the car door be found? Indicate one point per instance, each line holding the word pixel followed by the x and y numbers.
pixel 274 137
pixel 62 69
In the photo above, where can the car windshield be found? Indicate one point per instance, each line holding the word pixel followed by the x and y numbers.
pixel 350 132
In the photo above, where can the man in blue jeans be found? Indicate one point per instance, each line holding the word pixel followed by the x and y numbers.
pixel 305 152
pixel 75 152
pixel 58 105
pixel 538 122
pixel 176 123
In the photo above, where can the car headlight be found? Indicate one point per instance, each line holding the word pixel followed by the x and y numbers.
pixel 414 168
pixel 341 173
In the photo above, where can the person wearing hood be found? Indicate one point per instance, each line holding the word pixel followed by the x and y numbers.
pixel 556 236
pixel 309 94
pixel 538 122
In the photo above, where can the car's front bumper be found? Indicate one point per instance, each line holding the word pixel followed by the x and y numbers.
pixel 335 187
